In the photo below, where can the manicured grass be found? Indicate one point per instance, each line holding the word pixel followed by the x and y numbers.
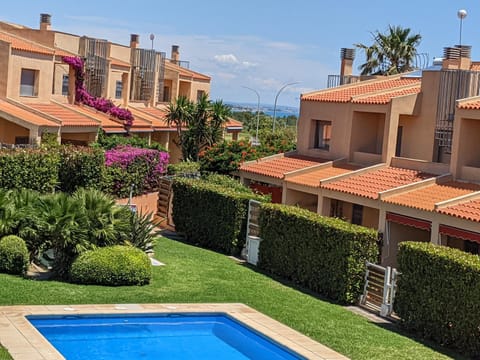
pixel 4 355
pixel 197 275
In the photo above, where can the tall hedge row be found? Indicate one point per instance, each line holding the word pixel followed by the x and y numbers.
pixel 326 255
pixel 439 294
pixel 211 214
pixel 30 169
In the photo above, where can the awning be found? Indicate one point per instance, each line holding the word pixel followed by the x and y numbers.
pixel 459 233
pixel 409 221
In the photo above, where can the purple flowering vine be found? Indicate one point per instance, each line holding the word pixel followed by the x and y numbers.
pixel 82 96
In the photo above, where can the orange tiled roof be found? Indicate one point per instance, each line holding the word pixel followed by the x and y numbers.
pixel 426 198
pixel 25 115
pixel 369 184
pixel 233 123
pixel 61 52
pixel 345 94
pixel 314 177
pixel 187 72
pixel 24 45
pixel 68 117
pixel 155 116
pixel 101 117
pixel 470 105
pixel 386 97
pixel 468 210
pixel 117 62
pixel 277 167
pixel 475 66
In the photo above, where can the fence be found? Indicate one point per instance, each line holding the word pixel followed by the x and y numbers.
pixel 380 287
pixel 253 231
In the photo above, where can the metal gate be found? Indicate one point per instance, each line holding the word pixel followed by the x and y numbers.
pixel 253 231
pixel 380 287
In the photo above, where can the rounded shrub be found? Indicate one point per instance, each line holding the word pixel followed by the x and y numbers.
pixel 13 255
pixel 113 266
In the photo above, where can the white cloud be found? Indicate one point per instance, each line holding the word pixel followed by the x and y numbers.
pixel 282 45
pixel 226 59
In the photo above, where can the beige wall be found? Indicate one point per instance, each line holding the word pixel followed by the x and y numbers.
pixel 367 132
pixel 60 69
pixel 113 78
pixel 67 42
pixel 43 64
pixel 9 130
pixel 185 89
pixel 199 86
pixel 5 65
pixel 120 52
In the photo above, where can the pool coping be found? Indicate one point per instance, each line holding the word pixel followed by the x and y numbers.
pixel 24 342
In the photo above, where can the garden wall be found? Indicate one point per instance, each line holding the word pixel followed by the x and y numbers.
pixel 146 203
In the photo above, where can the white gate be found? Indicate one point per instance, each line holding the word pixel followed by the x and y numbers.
pixel 380 287
pixel 253 231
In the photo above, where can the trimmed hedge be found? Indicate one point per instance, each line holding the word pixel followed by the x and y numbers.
pixel 29 169
pixel 14 256
pixel 438 294
pixel 210 214
pixel 326 255
pixel 80 167
pixel 112 266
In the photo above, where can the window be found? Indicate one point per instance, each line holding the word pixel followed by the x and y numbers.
pixel 65 85
pixel 22 140
pixel 471 247
pixel 200 93
pixel 336 208
pixel 29 83
pixel 357 214
pixel 323 132
pixel 118 89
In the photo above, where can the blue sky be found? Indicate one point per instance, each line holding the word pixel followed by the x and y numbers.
pixel 262 44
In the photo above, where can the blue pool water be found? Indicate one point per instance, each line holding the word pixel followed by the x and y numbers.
pixel 157 336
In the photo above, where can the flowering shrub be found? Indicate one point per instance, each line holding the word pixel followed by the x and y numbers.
pixel 226 157
pixel 126 166
pixel 82 96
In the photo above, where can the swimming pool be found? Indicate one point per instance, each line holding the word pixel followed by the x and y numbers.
pixel 157 336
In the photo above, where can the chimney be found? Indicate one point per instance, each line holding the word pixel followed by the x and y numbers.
pixel 134 40
pixel 347 56
pixel 175 57
pixel 45 22
pixel 457 57
pixel 465 56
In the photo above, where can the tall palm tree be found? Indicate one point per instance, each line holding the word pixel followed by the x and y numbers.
pixel 219 116
pixel 391 53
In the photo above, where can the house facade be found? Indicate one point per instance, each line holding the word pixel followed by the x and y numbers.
pixel 37 87
pixel 399 154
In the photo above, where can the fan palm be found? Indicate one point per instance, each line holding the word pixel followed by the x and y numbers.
pixel 391 53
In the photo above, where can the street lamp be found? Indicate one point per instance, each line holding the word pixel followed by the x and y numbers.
pixel 462 14
pixel 276 98
pixel 258 112
pixel 152 37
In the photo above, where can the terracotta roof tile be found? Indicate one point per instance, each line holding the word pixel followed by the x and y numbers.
pixel 345 94
pixel 68 117
pixel 468 210
pixel 313 178
pixel 369 184
pixel 155 116
pixel 277 167
pixel 101 117
pixel 61 52
pixel 187 72
pixel 25 115
pixel 470 105
pixel 475 66
pixel 426 198
pixel 24 45
pixel 386 97
pixel 233 123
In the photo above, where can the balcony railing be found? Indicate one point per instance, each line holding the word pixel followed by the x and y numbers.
pixel 337 80
pixel 184 64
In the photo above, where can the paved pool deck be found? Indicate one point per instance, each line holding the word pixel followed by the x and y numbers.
pixel 24 342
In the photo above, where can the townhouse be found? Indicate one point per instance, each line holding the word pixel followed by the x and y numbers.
pixel 399 154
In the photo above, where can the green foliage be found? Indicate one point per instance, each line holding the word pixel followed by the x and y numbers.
pixel 438 294
pixel 282 140
pixel 211 215
pixel 29 169
pixel 183 168
pixel 108 142
pixel 225 157
pixel 326 255
pixel 13 255
pixel 50 141
pixel 112 266
pixel 80 167
pixel 143 231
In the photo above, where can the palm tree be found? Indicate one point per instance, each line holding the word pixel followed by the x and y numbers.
pixel 391 53
pixel 219 116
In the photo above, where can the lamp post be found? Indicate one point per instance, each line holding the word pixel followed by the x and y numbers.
pixel 462 14
pixel 276 98
pixel 258 112
pixel 152 37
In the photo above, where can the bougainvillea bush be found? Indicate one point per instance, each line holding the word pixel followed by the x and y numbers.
pixel 82 96
pixel 226 157
pixel 126 166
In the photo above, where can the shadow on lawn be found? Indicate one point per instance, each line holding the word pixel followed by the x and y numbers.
pixel 390 325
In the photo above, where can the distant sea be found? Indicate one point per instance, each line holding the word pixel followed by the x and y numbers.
pixel 281 111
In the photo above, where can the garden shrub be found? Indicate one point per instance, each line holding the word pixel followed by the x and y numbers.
pixel 109 142
pixel 326 255
pixel 184 168
pixel 34 169
pixel 112 266
pixel 438 295
pixel 14 256
pixel 211 215
pixel 127 166
pixel 225 157
pixel 80 167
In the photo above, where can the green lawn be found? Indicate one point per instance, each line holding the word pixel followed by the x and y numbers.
pixel 198 275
